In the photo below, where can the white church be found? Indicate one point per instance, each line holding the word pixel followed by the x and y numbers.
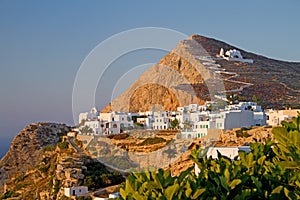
pixel 233 55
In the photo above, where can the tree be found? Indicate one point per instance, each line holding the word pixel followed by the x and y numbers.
pixel 175 123
pixel 257 100
pixel 86 129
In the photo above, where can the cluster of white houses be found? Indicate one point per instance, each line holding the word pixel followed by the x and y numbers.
pixel 194 120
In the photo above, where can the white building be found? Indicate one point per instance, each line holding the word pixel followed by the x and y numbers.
pixel 233 55
pixel 198 121
pixel 92 115
pixel 275 117
pixel 244 114
pixel 230 152
pixel 123 118
pixel 75 191
pixel 146 121
pixel 162 120
pixel 95 123
pixel 100 127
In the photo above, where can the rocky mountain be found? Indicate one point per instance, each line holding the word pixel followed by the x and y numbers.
pixel 193 73
pixel 27 148
pixel 42 161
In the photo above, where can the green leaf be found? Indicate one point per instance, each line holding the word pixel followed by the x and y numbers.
pixel 198 193
pixel 286 193
pixel 223 182
pixel 189 190
pixel 136 195
pixel 128 186
pixel 234 183
pixel 227 175
pixel 261 160
pixel 157 180
pixel 289 164
pixel 123 193
pixel 277 190
pixel 171 191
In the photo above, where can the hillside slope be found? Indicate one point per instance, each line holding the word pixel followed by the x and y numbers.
pixel 192 73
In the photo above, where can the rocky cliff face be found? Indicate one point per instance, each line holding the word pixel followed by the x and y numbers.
pixel 192 73
pixel 38 166
pixel 27 147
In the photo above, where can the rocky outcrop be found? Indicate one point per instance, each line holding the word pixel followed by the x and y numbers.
pixel 240 137
pixel 159 87
pixel 27 147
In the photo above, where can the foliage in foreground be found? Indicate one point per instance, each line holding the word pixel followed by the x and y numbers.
pixel 268 171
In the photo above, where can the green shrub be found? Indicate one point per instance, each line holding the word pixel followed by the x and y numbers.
pixel 242 133
pixel 44 168
pixel 118 136
pixel 20 177
pixel 49 148
pixel 246 128
pixel 63 145
pixel 155 140
pixel 79 143
pixel 9 194
pixel 19 186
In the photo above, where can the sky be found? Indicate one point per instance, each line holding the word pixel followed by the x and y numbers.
pixel 44 43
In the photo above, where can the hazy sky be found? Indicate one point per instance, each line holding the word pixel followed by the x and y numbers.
pixel 43 43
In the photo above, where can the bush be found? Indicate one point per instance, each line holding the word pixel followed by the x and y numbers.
pixel 246 129
pixel 19 186
pixel 49 148
pixel 44 168
pixel 63 145
pixel 20 177
pixel 78 143
pixel 241 133
pixel 9 194
pixel 155 140
pixel 118 136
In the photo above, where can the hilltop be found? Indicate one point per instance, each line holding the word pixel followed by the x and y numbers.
pixel 41 162
pixel 193 73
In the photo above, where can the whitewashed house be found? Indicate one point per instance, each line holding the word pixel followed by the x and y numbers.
pixel 94 125
pixel 100 127
pixel 230 152
pixel 76 191
pixel 162 120
pixel 122 118
pixel 275 117
pixel 92 115
pixel 196 121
